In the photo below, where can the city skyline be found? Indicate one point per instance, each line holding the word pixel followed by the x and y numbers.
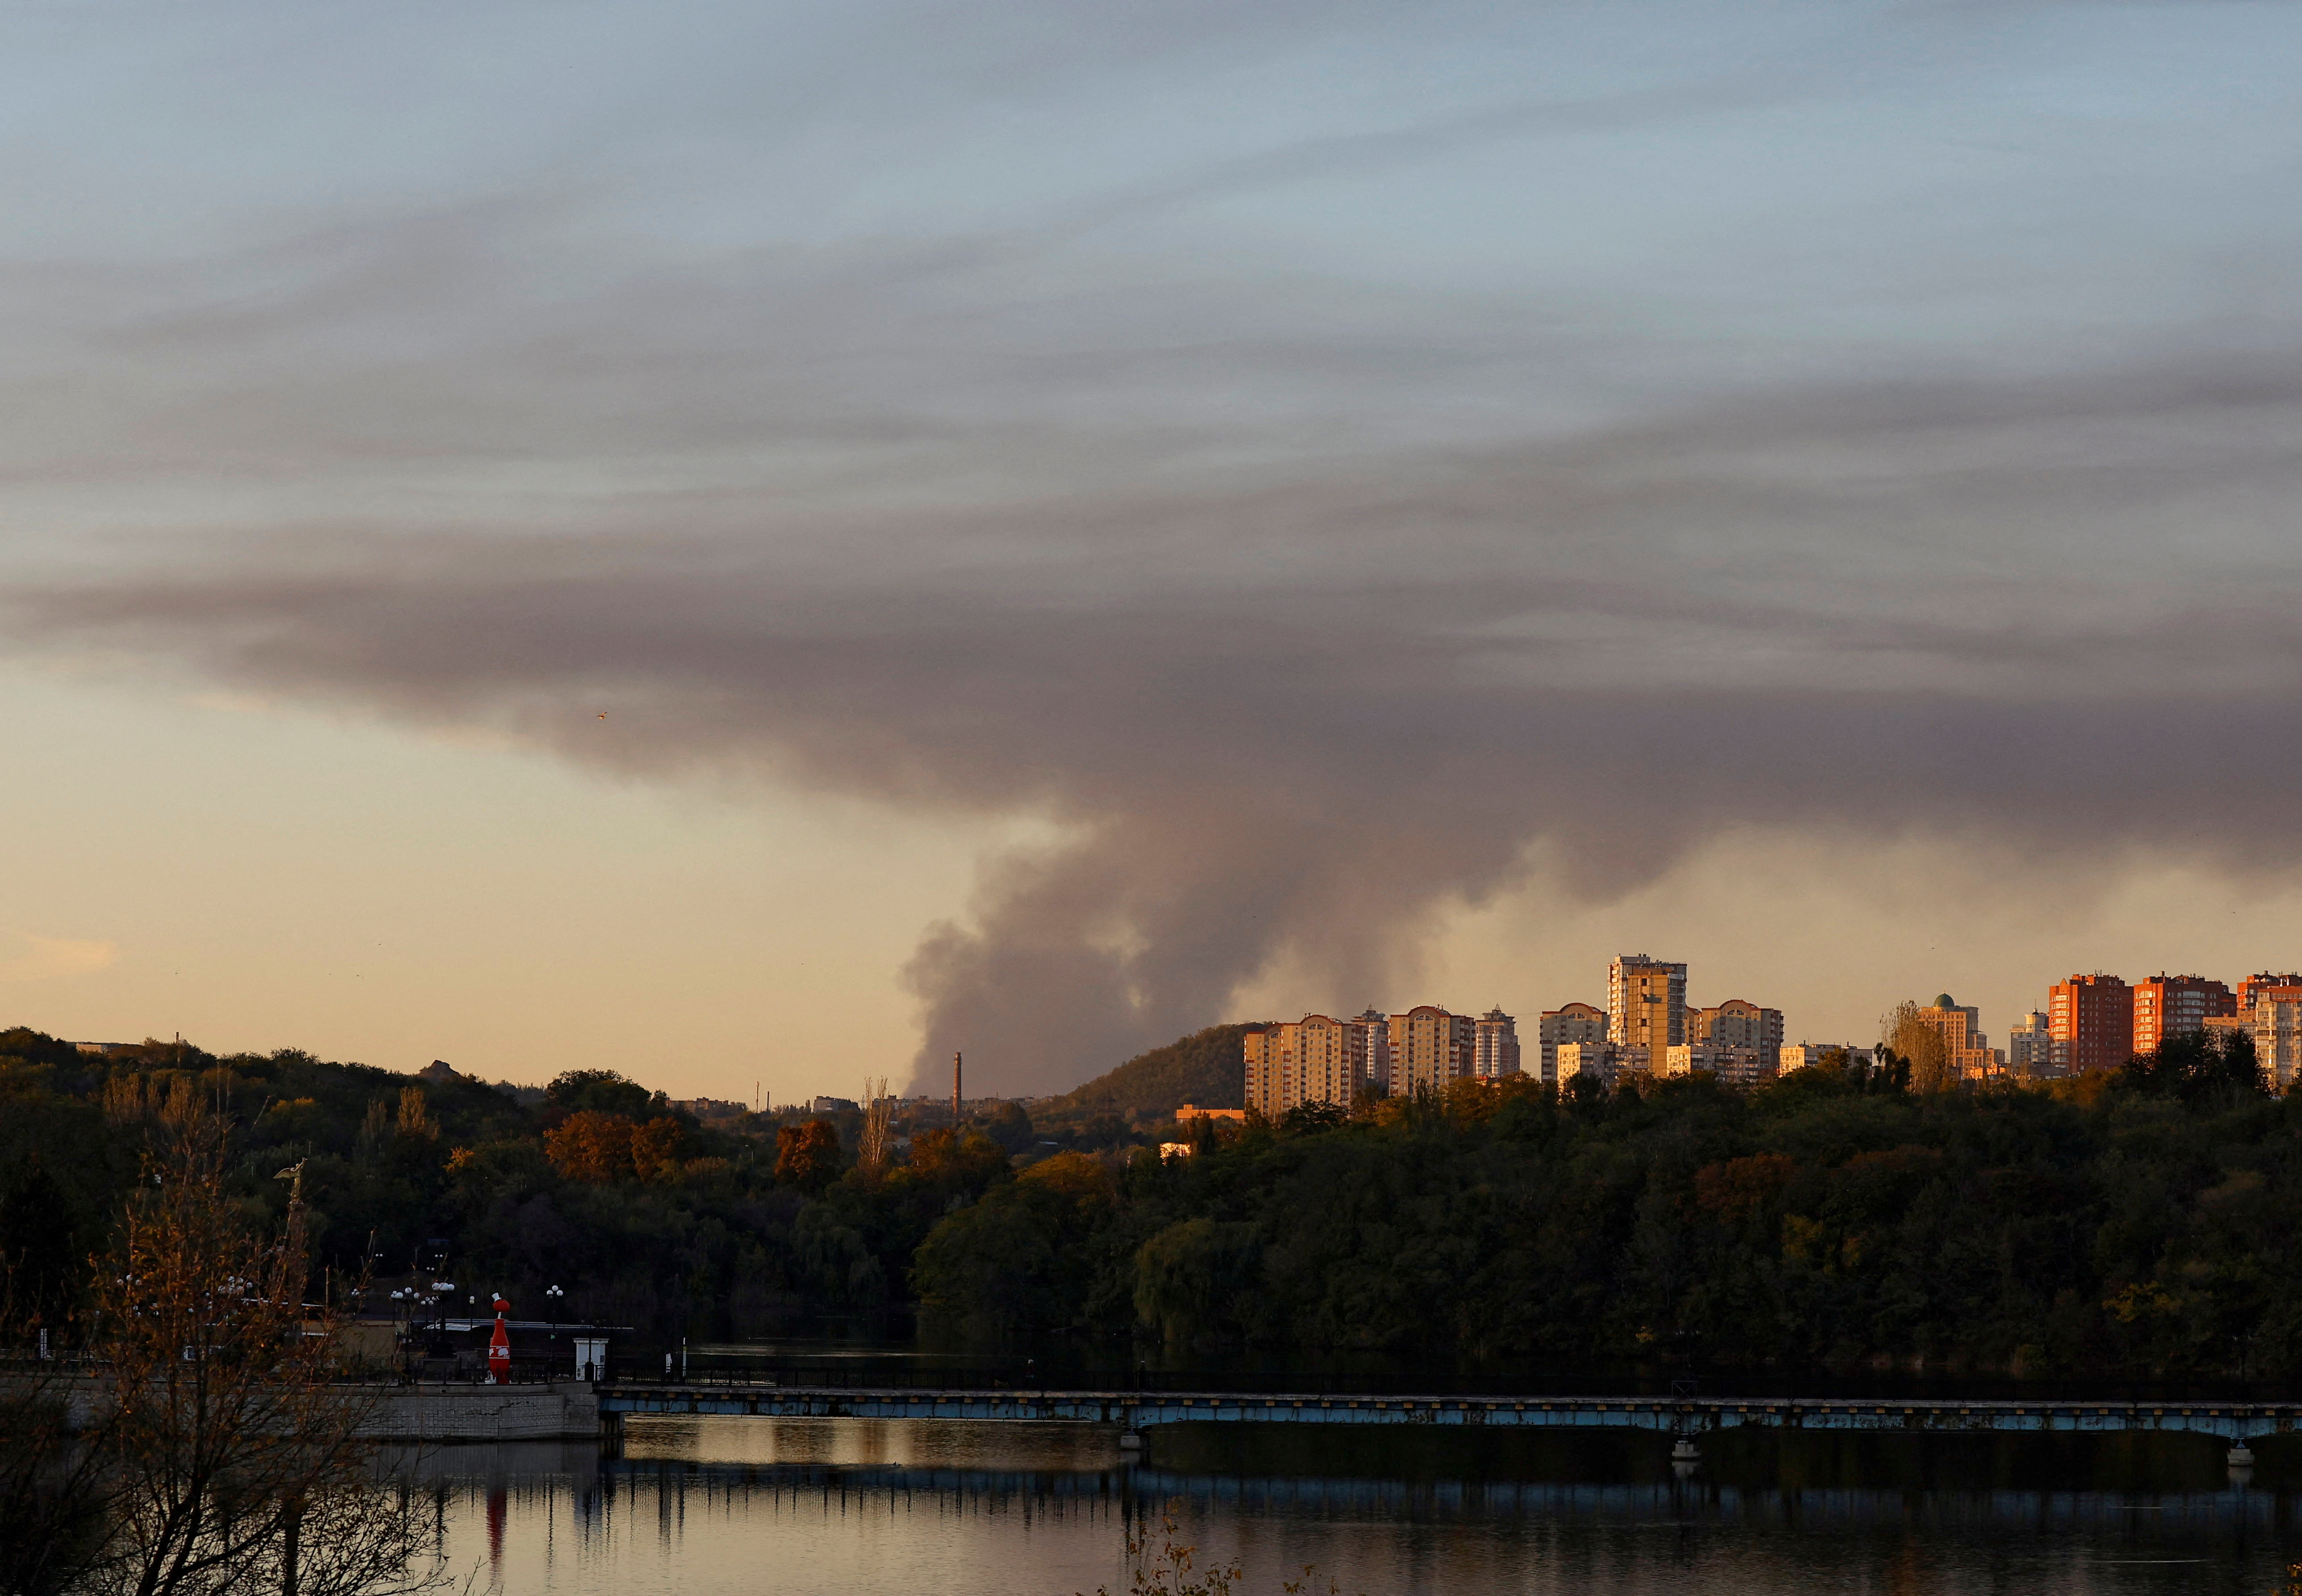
pixel 2056 1046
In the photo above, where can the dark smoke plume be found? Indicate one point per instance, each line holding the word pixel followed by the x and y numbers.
pixel 1290 714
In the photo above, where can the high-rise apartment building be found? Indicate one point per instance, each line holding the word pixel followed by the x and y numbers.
pixel 2030 1045
pixel 2273 1024
pixel 1736 1023
pixel 1971 1055
pixel 2278 1033
pixel 1313 1060
pixel 2092 1018
pixel 1646 1003
pixel 1495 1051
pixel 1376 1027
pixel 2168 1005
pixel 1260 1046
pixel 1571 1023
pixel 1430 1048
pixel 2253 986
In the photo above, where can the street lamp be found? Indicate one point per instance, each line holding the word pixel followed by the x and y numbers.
pixel 552 1297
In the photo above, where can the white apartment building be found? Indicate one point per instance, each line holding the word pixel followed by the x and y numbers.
pixel 2030 1045
pixel 1495 1048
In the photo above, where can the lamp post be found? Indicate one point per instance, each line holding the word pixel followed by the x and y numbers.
pixel 552 1297
pixel 438 1302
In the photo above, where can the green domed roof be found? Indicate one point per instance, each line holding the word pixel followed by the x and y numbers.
pixel 1943 1000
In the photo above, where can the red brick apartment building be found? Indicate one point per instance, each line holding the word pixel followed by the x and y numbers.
pixel 2167 1005
pixel 2092 1018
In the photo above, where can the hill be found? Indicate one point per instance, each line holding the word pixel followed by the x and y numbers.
pixel 1206 1067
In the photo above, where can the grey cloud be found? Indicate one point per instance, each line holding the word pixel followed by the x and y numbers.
pixel 1334 702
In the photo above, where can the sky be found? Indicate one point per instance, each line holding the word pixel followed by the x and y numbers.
pixel 759 546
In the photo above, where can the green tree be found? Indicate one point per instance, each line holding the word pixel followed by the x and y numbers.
pixel 2218 1066
pixel 1195 1280
pixel 603 1091
pixel 1016 1260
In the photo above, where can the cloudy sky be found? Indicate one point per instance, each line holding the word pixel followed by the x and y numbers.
pixel 769 543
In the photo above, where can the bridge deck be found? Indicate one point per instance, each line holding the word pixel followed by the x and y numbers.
pixel 1137 1410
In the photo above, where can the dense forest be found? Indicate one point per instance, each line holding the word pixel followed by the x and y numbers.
pixel 2136 1220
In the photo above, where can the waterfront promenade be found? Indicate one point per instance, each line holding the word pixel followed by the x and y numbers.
pixel 1685 1417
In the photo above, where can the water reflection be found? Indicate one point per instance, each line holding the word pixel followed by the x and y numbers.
pixel 704 1507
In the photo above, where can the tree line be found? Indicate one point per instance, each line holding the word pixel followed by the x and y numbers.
pixel 2134 1220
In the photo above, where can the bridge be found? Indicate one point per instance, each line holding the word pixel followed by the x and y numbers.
pixel 1685 1417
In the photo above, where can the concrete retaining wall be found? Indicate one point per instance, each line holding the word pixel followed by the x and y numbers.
pixel 483 1413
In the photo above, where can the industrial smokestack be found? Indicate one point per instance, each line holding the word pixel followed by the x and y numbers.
pixel 955 1091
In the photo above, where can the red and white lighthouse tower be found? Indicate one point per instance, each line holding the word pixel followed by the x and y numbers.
pixel 499 1347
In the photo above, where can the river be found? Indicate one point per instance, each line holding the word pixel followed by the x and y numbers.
pixel 715 1507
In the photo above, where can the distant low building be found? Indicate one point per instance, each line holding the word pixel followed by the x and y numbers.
pixel 711 1108
pixel 1175 1150
pixel 830 1104
pixel 1188 1112
pixel 105 1049
pixel 1602 1060
pixel 1809 1055
pixel 1740 1066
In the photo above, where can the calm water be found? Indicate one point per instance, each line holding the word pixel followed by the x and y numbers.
pixel 699 1508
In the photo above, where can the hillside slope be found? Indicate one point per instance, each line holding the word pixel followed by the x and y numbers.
pixel 1206 1067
